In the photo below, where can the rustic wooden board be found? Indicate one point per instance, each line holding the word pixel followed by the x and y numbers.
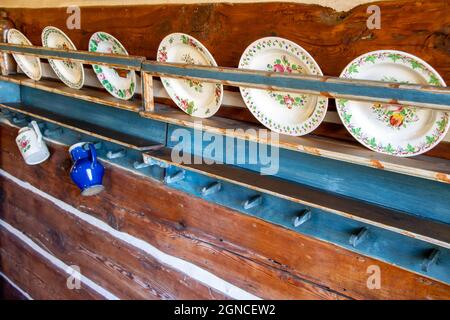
pixel 408 225
pixel 9 292
pixel 246 251
pixel 333 38
pixel 88 94
pixel 125 271
pixel 34 274
pixel 85 127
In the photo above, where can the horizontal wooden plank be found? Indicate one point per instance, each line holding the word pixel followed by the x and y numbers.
pixel 106 59
pixel 408 225
pixel 419 166
pixel 87 93
pixel 124 270
pixel 424 96
pixel 8 291
pixel 246 251
pixel 34 274
pixel 85 127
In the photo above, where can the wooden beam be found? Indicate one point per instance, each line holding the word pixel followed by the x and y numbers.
pixel 147 89
pixel 93 130
pixel 405 224
pixel 34 274
pixel 424 96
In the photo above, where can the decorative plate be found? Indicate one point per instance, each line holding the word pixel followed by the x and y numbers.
pixel 288 113
pixel 198 99
pixel 31 66
pixel 120 83
pixel 71 73
pixel 401 131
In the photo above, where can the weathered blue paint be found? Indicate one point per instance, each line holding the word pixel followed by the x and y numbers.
pixel 9 92
pixel 117 120
pixel 382 244
pixel 69 137
pixel 412 195
pixel 313 83
pixel 125 61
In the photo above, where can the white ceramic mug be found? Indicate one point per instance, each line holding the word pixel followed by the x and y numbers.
pixel 31 144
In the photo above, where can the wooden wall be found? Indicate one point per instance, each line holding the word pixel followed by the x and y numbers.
pixel 244 253
pixel 142 240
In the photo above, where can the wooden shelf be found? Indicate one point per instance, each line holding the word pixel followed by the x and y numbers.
pixel 408 225
pixel 420 166
pixel 90 94
pixel 114 136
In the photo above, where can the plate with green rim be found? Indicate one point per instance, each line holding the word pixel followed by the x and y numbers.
pixel 120 83
pixel 196 98
pixel 283 112
pixel 397 130
pixel 71 73
pixel 30 65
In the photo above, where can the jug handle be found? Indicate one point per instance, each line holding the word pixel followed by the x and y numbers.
pixel 93 154
pixel 37 130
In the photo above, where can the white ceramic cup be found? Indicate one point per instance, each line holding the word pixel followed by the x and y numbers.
pixel 31 145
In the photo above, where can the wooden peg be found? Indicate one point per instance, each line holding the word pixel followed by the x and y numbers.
pixel 252 202
pixel 302 217
pixel 360 236
pixel 175 177
pixel 53 132
pixel 147 92
pixel 212 188
pixel 430 260
pixel 116 154
pixel 140 165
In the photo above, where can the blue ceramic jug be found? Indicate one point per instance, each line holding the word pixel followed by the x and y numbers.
pixel 86 172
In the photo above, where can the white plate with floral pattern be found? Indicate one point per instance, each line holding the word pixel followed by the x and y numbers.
pixel 401 131
pixel 71 73
pixel 288 113
pixel 120 83
pixel 31 66
pixel 198 99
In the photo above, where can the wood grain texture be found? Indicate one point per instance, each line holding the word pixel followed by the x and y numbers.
pixel 333 38
pixel 9 292
pixel 259 257
pixel 122 269
pixel 35 274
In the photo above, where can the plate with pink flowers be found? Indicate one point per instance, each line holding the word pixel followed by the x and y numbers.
pixel 196 98
pixel 283 112
pixel 398 130
pixel 120 83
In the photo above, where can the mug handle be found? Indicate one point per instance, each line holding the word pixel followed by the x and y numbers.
pixel 93 154
pixel 37 131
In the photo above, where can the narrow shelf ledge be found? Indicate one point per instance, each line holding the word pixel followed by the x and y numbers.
pixel 407 225
pixel 94 130
pixel 90 94
pixel 420 166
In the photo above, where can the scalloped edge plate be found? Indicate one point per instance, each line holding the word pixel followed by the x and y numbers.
pixel 30 65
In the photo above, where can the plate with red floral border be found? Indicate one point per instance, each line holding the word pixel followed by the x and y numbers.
pixel 31 66
pixel 196 98
pixel 397 130
pixel 287 113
